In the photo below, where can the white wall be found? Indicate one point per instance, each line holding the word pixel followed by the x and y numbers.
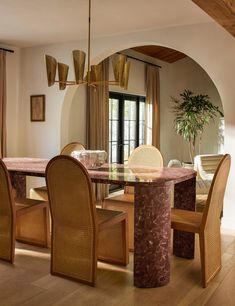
pixel 13 95
pixel 208 44
pixel 73 116
pixel 186 74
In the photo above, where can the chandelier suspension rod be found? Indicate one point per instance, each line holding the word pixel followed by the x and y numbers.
pixel 89 44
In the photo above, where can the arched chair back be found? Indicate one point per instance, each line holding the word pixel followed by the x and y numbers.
pixel 214 203
pixel 207 224
pixel 70 147
pixel 7 216
pixel 73 215
pixel 211 217
pixel 146 155
pixel 40 193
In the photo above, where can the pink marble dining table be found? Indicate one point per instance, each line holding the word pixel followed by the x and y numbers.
pixel 156 190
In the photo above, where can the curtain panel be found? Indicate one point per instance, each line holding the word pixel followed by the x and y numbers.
pixel 97 120
pixel 2 103
pixel 152 109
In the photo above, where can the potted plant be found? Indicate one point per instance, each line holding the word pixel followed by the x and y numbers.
pixel 192 114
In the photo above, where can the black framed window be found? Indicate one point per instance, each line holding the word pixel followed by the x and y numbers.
pixel 126 125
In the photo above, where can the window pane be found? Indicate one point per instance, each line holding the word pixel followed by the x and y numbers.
pixel 142 110
pixel 110 131
pixel 141 123
pixel 132 146
pixel 114 130
pixel 133 130
pixel 126 129
pixel 114 152
pixel 133 110
pixel 126 110
pixel 110 153
pixel 126 151
pixel 121 145
pixel 110 108
pixel 115 104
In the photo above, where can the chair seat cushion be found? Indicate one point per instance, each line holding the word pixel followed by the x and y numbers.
pixel 105 215
pixel 39 193
pixel 42 188
pixel 25 203
pixel 186 220
pixel 126 197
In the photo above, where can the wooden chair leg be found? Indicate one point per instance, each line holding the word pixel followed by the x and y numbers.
pixel 7 239
pixel 210 253
pixel 33 227
pixel 129 209
pixel 113 243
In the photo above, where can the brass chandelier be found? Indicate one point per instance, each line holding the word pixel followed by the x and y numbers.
pixel 121 68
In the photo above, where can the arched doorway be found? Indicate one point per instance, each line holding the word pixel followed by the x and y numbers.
pixel 177 73
pixel 197 41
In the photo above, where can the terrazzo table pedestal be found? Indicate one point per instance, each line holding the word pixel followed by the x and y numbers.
pixel 155 191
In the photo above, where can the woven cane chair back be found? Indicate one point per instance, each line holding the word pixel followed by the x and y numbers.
pixel 74 228
pixel 70 147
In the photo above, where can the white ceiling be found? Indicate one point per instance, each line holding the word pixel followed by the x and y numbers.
pixel 26 23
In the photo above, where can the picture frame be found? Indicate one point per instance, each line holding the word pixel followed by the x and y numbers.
pixel 37 108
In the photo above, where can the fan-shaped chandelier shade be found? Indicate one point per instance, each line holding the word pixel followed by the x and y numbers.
pixel 121 68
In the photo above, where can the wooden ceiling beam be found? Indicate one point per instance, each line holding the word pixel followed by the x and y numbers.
pixel 222 11
pixel 161 53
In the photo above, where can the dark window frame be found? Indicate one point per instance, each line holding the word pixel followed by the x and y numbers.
pixel 121 97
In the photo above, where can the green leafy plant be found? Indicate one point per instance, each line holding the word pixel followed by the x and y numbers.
pixel 192 114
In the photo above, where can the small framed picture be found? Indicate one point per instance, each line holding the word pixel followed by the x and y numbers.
pixel 37 108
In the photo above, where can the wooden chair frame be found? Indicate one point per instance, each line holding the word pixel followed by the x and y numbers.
pixel 207 224
pixel 15 213
pixel 106 231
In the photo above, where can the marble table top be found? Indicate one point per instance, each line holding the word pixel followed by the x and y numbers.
pixel 114 173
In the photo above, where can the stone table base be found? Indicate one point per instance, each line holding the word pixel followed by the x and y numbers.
pixel 152 235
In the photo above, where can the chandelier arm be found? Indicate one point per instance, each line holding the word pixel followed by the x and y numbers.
pixel 120 66
pixel 67 82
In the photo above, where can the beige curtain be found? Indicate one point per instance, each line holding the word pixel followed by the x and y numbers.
pixel 152 113
pixel 2 103
pixel 97 120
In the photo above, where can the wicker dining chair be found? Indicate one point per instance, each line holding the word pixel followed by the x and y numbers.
pixel 23 219
pixel 70 147
pixel 40 193
pixel 144 155
pixel 81 233
pixel 207 224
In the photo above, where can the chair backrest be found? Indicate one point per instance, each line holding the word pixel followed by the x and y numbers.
pixel 146 155
pixel 74 224
pixel 70 147
pixel 7 216
pixel 214 204
pixel 206 165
